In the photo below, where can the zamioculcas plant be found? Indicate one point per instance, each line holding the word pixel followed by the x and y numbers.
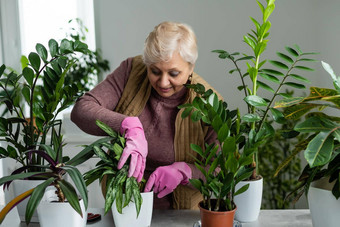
pixel 117 183
pixel 222 164
pixel 261 114
pixel 321 149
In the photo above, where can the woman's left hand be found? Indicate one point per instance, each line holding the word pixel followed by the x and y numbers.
pixel 166 178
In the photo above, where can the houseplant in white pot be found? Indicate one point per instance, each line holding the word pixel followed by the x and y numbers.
pixel 122 194
pixel 261 115
pixel 321 175
pixel 34 98
pixel 222 164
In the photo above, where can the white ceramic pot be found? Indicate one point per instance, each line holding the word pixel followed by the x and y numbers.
pixel 55 214
pixel 249 203
pixel 19 187
pixel 129 214
pixel 324 207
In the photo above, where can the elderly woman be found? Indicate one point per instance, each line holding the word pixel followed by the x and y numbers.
pixel 140 100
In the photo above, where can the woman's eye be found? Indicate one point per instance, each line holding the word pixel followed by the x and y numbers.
pixel 173 73
pixel 156 72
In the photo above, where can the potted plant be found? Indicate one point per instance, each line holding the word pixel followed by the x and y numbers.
pixel 222 164
pixel 34 99
pixel 261 115
pixel 321 175
pixel 123 194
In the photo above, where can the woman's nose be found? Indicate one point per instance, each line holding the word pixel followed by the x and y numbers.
pixel 164 81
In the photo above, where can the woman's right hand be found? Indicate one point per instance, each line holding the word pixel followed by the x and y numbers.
pixel 136 146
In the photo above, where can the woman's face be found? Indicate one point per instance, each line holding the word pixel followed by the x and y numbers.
pixel 167 78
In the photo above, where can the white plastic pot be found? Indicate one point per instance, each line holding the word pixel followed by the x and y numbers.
pixel 249 203
pixel 56 214
pixel 324 207
pixel 19 187
pixel 129 214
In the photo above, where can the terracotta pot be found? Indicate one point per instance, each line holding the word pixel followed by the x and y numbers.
pixel 216 218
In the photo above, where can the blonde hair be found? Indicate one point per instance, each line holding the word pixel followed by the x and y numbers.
pixel 165 39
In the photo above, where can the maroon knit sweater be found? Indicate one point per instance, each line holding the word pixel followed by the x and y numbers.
pixel 158 120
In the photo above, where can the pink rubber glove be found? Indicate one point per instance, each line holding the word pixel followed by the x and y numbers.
pixel 166 178
pixel 136 146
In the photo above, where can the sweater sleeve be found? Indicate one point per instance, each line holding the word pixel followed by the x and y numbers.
pixel 99 103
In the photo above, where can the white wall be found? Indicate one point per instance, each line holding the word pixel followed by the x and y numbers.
pixel 122 26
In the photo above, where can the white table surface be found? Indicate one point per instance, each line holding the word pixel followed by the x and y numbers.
pixel 186 218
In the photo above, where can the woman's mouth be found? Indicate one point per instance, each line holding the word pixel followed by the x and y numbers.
pixel 164 90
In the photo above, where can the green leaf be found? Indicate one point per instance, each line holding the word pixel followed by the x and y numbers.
pixel 128 190
pixel 336 80
pixel 277 115
pixel 303 68
pixel 285 57
pixel 295 85
pixel 138 199
pixel 102 154
pixel 249 41
pixel 251 118
pixel 197 149
pixel 273 72
pixel 270 78
pixel 71 195
pixel 196 183
pixel 223 133
pixel 297 111
pixel 268 11
pixel 17 177
pixel 255 100
pixel 242 189
pixel 53 46
pixel 292 51
pixel 279 64
pixel 265 86
pixel 300 78
pixel 111 193
pixel 78 180
pixel 319 149
pixel 28 75
pixel 26 93
pixel 42 51
pixel 35 199
pixel 34 61
pixel 315 124
pixel 245 58
pixel 106 128
pixel 66 46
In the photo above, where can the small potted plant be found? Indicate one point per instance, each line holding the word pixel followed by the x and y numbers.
pixel 122 194
pixel 222 164
pixel 64 205
pixel 34 98
pixel 321 175
pixel 261 115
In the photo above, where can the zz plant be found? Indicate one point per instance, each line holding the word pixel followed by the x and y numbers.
pixel 286 73
pixel 222 164
pixel 119 188
pixel 34 98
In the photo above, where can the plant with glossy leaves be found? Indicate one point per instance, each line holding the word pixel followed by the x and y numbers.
pixel 33 137
pixel 119 188
pixel 321 150
pixel 222 164
pixel 286 73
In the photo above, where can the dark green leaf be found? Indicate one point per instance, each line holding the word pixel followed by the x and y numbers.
pixel 34 61
pixel 42 51
pixel 292 51
pixel 303 68
pixel 265 86
pixel 53 46
pixel 78 180
pixel 29 75
pixel 279 65
pixel 242 189
pixel 295 85
pixel 300 78
pixel 71 195
pixel 106 128
pixel 273 72
pixel 35 199
pixel 255 100
pixel 251 118
pixel 285 57
pixel 270 78
pixel 66 46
